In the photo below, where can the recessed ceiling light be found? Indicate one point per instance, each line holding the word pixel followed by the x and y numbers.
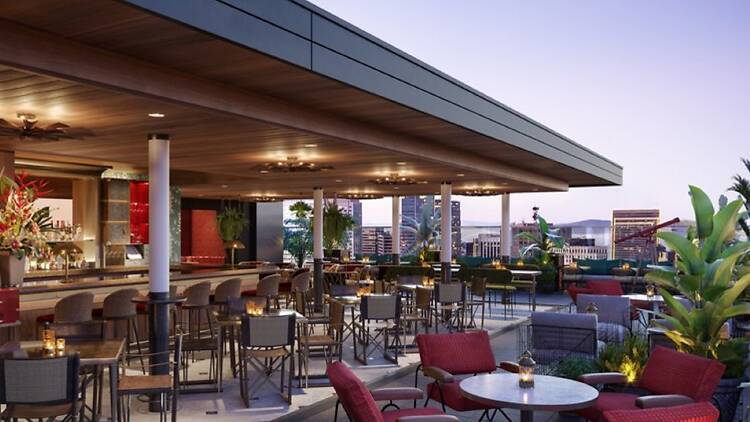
pixel 535 190
pixel 156 115
pixel 395 187
pixel 401 163
pixel 460 174
pixel 224 186
pixel 505 183
pixel 311 145
pixel 338 180
pixel 263 172
pixel 423 182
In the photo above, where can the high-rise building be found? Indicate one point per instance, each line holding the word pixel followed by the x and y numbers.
pixel 352 207
pixel 572 253
pixel 487 245
pixel 628 222
pixel 376 241
pixel 455 225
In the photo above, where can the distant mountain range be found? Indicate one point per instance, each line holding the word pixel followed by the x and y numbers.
pixel 586 223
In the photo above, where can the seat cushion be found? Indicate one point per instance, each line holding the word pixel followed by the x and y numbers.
pixel 453 397
pixel 695 412
pixel 247 293
pixel 605 287
pixel 608 401
pixel 393 415
pixel 142 384
pixel 671 372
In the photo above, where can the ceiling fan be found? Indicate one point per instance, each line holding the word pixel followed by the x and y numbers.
pixel 28 129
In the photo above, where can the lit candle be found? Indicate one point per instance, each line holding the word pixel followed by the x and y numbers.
pixel 60 343
pixel 526 370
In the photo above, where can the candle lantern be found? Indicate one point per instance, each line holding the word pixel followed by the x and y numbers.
pixel 60 344
pixel 253 309
pixel 48 338
pixel 591 308
pixel 574 265
pixel 626 266
pixel 526 370
pixel 650 290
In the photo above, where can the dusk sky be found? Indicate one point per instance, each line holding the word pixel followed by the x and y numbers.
pixel 660 87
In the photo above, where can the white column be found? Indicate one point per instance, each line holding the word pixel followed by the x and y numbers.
pixel 318 223
pixel 506 239
pixel 396 226
pixel 445 223
pixel 318 248
pixel 158 216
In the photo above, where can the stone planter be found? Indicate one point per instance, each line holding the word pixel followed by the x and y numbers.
pixel 12 270
pixel 726 397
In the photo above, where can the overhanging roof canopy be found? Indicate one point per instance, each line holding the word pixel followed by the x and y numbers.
pixel 245 83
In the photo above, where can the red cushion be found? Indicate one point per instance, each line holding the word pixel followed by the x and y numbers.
pixel 392 415
pixel 453 397
pixel 354 396
pixel 574 291
pixel 608 401
pixel 457 353
pixel 668 371
pixel 696 412
pixel 285 287
pixel 605 287
pixel 141 308
pixel 248 293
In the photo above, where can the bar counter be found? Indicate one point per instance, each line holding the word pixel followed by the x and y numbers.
pixel 39 297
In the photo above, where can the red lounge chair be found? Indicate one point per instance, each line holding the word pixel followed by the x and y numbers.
pixel 674 379
pixel 444 356
pixel 696 412
pixel 574 291
pixel 359 402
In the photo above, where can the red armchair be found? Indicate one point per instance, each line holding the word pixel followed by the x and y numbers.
pixel 359 402
pixel 574 290
pixel 673 378
pixel 696 412
pixel 445 357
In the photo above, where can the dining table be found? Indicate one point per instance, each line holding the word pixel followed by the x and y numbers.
pixel 532 274
pixel 92 354
pixel 550 394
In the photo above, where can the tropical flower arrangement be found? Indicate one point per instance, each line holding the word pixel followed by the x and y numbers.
pixel 23 228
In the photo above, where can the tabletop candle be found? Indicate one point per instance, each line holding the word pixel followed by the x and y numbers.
pixel 60 342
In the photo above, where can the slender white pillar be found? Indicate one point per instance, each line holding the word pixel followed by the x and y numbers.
pixel 158 216
pixel 318 247
pixel 446 238
pixel 506 239
pixel 395 228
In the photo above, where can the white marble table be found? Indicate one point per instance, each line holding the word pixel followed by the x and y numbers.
pixel 550 394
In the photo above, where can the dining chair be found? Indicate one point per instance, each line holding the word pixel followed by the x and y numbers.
pixel 329 343
pixel 41 388
pixel 166 386
pixel 418 315
pixel 448 305
pixel 266 345
pixel 377 328
pixel 476 301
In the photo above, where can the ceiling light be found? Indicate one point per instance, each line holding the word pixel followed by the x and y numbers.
pixel 360 195
pixel 262 198
pixel 394 179
pixel 293 165
pixel 263 172
pixel 224 186
pixel 460 174
pixel 423 182
pixel 401 163
pixel 156 115
pixel 311 145
pixel 479 192
pixel 338 180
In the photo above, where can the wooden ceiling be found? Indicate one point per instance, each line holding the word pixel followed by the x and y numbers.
pixel 222 152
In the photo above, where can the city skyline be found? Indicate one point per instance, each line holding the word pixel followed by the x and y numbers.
pixel 586 74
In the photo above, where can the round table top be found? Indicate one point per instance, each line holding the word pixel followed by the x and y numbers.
pixel 549 393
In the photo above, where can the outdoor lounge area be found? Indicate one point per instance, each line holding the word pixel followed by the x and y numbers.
pixel 182 186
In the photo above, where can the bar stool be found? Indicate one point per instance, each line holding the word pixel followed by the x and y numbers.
pixel 76 308
pixel 301 284
pixel 268 287
pixel 197 299
pixel 228 288
pixel 118 307
pixel 477 300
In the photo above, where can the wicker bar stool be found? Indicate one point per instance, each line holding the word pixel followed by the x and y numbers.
pixel 70 310
pixel 228 288
pixel 301 284
pixel 268 287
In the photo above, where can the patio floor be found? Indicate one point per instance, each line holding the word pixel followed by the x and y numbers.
pixel 316 403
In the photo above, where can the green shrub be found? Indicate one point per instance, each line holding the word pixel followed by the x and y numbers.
pixel 573 367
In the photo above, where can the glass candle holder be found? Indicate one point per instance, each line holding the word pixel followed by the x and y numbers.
pixel 253 309
pixel 60 344
pixel 650 290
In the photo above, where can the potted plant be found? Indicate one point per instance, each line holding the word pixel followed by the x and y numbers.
pixel 231 222
pixel 336 227
pixel 298 232
pixel 540 251
pixel 707 275
pixel 22 227
pixel 426 233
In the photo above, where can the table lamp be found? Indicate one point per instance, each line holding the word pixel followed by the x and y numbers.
pixel 233 246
